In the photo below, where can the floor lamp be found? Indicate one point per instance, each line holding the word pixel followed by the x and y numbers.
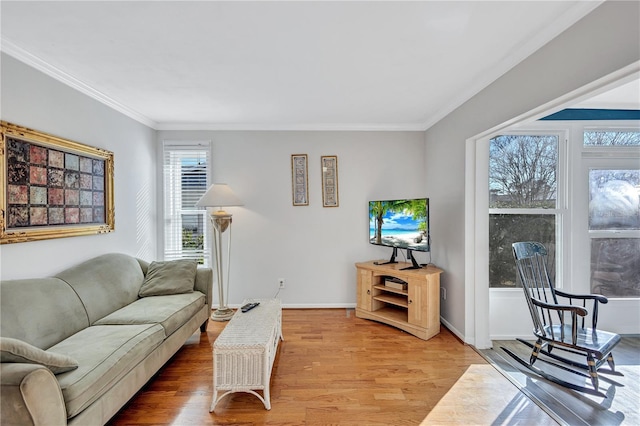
pixel 220 195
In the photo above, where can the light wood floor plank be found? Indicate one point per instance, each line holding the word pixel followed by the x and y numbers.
pixel 333 368
pixel 621 407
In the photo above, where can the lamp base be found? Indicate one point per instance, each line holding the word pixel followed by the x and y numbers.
pixel 222 314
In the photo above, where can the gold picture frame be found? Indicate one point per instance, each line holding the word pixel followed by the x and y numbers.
pixel 52 187
pixel 329 167
pixel 299 180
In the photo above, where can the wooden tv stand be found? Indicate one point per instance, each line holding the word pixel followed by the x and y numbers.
pixel 414 307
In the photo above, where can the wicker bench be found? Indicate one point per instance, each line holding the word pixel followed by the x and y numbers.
pixel 243 354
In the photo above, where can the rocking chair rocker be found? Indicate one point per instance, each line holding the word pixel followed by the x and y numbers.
pixel 561 326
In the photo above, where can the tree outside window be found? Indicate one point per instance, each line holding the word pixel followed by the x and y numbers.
pixel 523 192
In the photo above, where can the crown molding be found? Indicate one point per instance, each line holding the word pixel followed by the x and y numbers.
pixel 33 61
pixel 365 127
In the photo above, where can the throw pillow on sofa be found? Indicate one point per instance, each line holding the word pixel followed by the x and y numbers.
pixel 14 350
pixel 170 277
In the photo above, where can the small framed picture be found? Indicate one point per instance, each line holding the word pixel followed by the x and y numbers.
pixel 300 180
pixel 329 167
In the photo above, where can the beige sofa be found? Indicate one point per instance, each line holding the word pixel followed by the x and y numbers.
pixel 77 346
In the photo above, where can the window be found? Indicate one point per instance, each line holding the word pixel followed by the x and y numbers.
pixel 556 182
pixel 611 138
pixel 614 211
pixel 185 176
pixel 523 199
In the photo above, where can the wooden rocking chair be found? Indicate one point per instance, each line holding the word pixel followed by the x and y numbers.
pixel 561 326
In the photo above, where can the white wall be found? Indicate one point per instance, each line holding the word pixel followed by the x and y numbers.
pixel 312 247
pixel 605 41
pixel 34 100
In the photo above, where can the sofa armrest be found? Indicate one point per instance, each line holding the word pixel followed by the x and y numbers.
pixel 204 283
pixel 31 395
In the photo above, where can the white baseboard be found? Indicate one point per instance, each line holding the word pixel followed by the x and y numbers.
pixel 452 329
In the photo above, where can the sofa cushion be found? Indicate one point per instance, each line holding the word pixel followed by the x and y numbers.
pixel 105 283
pixel 105 354
pixel 14 350
pixel 170 311
pixel 40 311
pixel 172 277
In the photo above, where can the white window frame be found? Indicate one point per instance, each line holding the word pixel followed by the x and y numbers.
pixel 476 287
pixel 511 301
pixel 598 157
pixel 171 206
pixel 561 209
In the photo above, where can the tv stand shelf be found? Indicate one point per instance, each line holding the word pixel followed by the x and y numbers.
pixel 392 299
pixel 414 308
pixel 391 290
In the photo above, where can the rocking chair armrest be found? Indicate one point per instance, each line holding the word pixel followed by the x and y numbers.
pixel 577 309
pixel 597 297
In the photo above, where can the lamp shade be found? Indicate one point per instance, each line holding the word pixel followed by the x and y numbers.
pixel 219 195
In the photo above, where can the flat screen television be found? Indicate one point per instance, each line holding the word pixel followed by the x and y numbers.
pixel 401 224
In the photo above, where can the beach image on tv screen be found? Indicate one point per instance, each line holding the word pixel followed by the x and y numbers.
pixel 400 223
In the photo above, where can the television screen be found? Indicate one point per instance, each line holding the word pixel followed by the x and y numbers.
pixel 400 223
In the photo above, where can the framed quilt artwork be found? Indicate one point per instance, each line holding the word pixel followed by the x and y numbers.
pixel 300 180
pixel 329 165
pixel 52 187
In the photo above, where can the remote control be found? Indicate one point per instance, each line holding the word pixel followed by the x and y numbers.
pixel 249 306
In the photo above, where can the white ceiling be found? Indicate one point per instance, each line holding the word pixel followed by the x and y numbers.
pixel 282 65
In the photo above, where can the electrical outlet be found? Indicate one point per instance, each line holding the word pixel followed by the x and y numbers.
pixel 280 282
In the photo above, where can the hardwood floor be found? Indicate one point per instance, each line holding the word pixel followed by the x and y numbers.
pixel 333 368
pixel 621 407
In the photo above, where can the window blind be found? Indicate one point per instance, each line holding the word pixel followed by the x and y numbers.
pixel 186 170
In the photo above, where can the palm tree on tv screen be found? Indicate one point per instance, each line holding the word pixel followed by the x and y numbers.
pixel 378 210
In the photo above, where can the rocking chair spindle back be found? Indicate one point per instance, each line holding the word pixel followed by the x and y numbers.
pixel 561 325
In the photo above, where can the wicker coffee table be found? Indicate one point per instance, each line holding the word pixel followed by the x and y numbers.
pixel 243 354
